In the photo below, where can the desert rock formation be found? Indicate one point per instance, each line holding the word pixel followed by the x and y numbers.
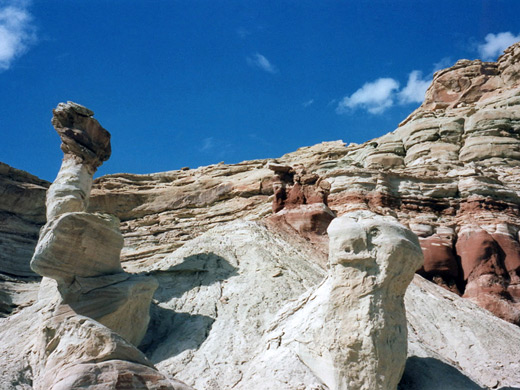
pixel 449 172
pixel 349 332
pixel 78 255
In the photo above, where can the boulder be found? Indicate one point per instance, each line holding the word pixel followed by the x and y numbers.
pixel 78 244
pixel 82 137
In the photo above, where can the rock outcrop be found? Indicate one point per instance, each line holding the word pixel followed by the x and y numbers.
pixel 237 306
pixel 300 202
pixel 80 251
pixel 22 213
pixel 350 331
pixel 447 168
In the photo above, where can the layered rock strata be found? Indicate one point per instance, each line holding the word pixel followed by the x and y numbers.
pixel 300 202
pixel 451 166
pixel 22 213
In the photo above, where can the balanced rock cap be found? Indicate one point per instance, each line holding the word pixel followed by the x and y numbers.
pixel 82 137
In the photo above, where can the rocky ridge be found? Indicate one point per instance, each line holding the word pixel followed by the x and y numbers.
pixel 449 171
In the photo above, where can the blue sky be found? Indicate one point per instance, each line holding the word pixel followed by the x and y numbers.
pixel 191 83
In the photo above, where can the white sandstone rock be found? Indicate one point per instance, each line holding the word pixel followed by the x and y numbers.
pixel 350 332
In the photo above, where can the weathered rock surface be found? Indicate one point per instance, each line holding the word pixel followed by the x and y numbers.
pixel 46 348
pixel 221 323
pixel 81 251
pixel 300 202
pixel 449 336
pixel 73 352
pixel 82 137
pixel 78 245
pixel 22 213
pixel 349 332
pixel 447 166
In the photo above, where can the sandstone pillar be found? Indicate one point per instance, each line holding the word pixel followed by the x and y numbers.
pixel 81 250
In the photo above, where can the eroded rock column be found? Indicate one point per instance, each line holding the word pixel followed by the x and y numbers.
pixel 349 333
pixel 86 145
pixel 79 254
pixel 372 262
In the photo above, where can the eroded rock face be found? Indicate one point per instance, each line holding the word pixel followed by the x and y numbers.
pixel 22 213
pixel 72 351
pixel 490 266
pixel 300 201
pixel 451 167
pixel 78 244
pixel 81 252
pixel 350 332
pixel 85 145
pixel 453 162
pixel 83 139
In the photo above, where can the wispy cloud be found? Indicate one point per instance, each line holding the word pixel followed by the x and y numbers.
pixel 415 88
pixel 379 95
pixel 243 33
pixel 495 44
pixel 375 97
pixel 16 32
pixel 257 60
pixel 442 64
pixel 308 103
pixel 207 144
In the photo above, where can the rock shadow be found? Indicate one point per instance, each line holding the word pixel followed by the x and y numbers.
pixel 202 269
pixel 170 333
pixel 433 374
pixel 6 304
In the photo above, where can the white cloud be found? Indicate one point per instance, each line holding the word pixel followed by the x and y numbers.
pixel 415 89
pixel 308 103
pixel 16 33
pixel 375 97
pixel 495 44
pixel 442 64
pixel 207 144
pixel 259 61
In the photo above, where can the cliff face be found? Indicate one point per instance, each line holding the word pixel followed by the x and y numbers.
pixel 450 172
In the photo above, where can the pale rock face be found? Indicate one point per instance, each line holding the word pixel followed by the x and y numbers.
pixel 120 302
pixel 71 351
pixel 78 245
pixel 454 344
pixel 225 297
pixel 70 190
pixel 22 213
pixel 115 375
pixel 217 296
pixel 350 332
